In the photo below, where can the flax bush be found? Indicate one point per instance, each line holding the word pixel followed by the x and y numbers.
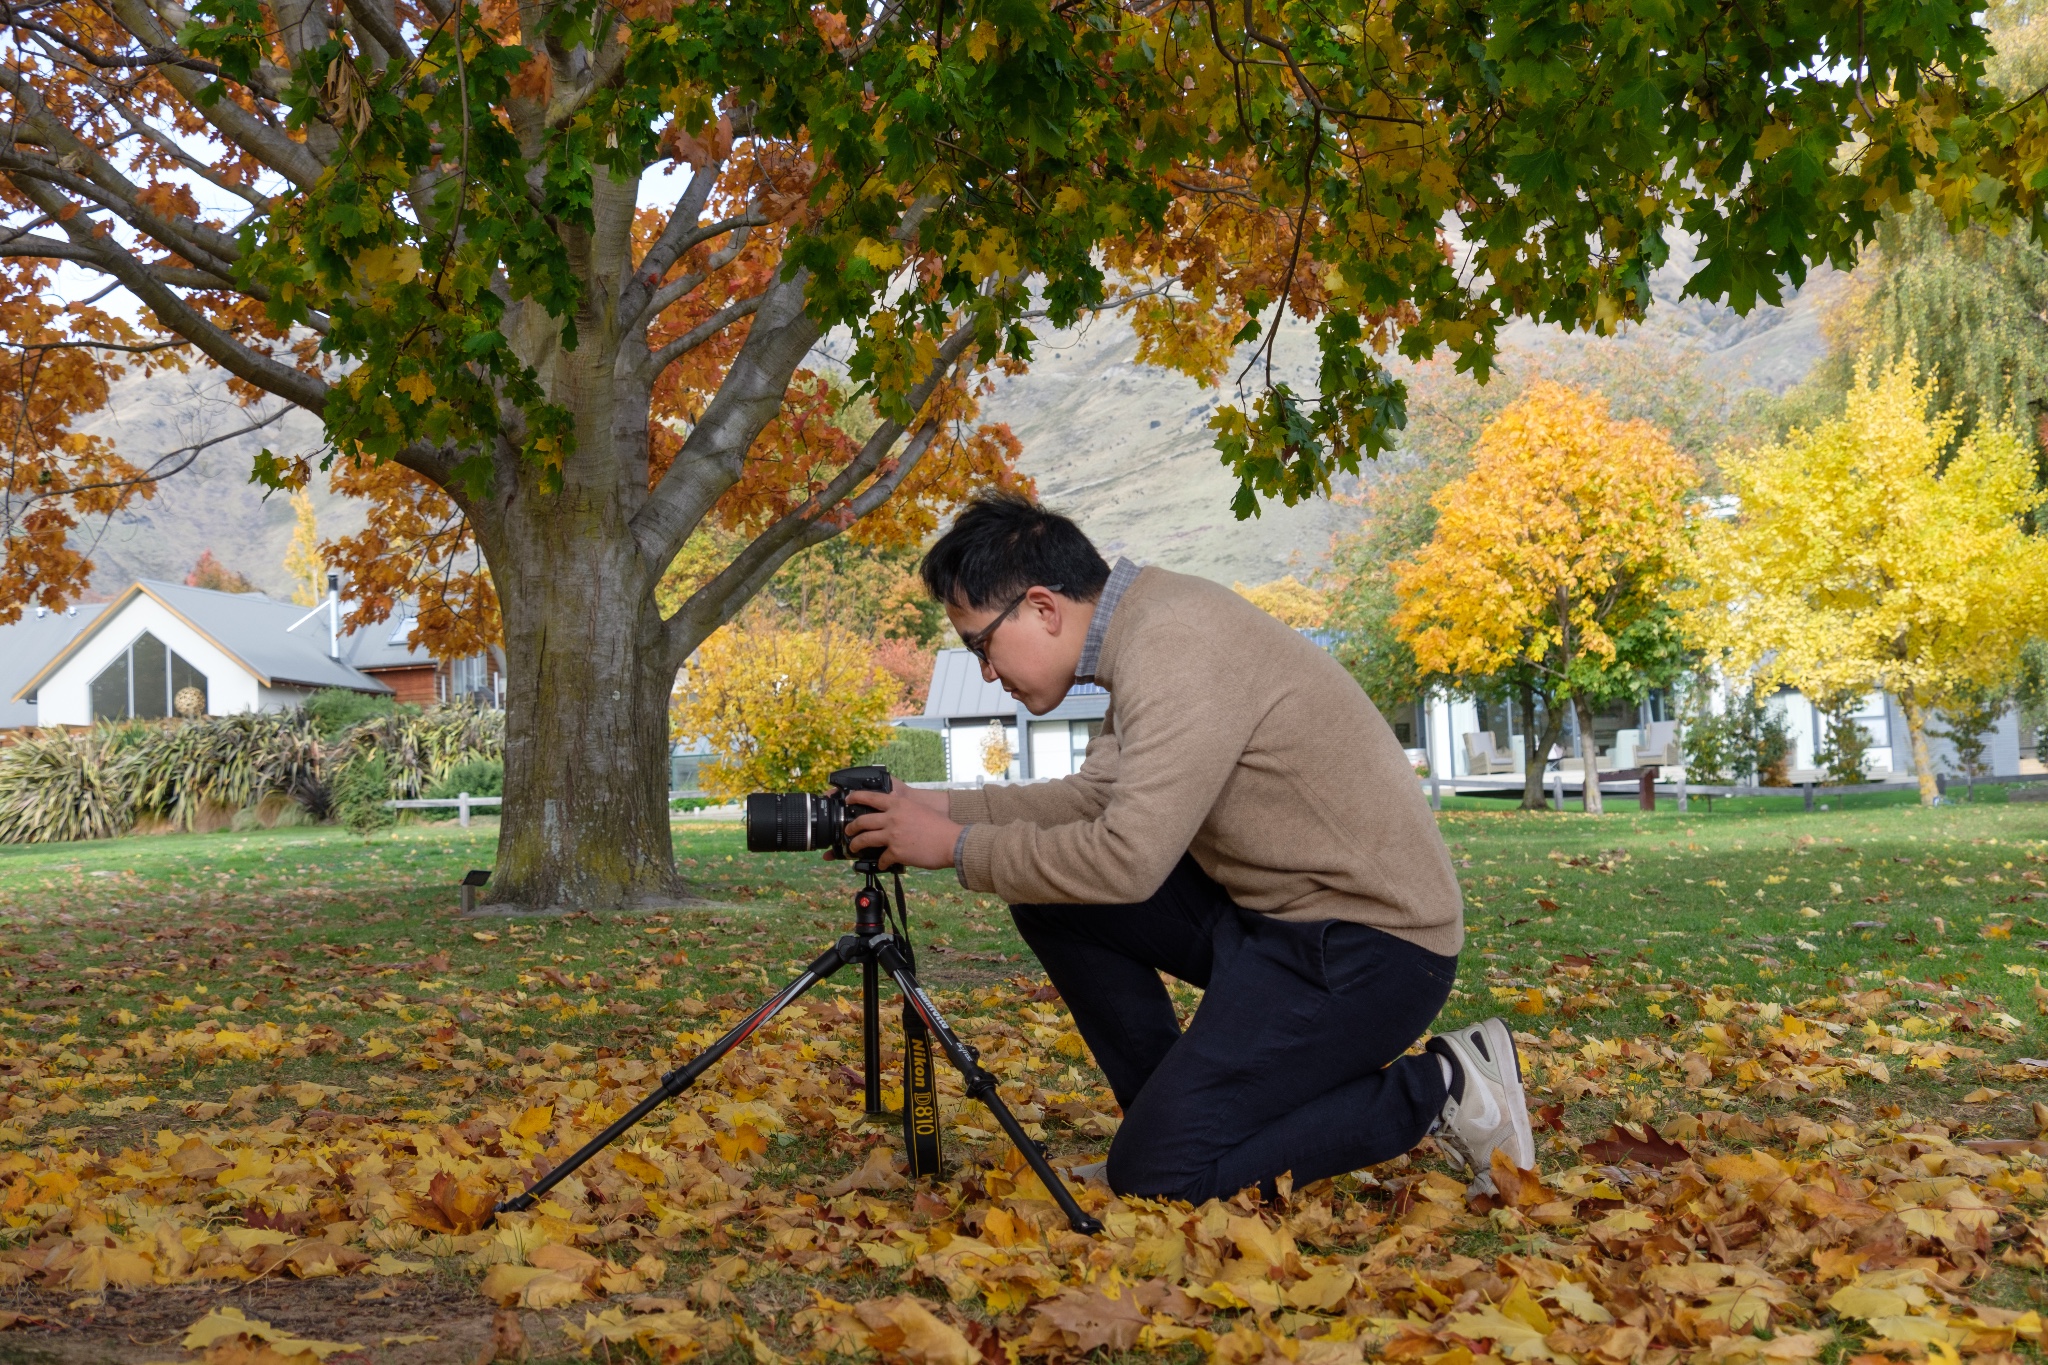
pixel 185 770
pixel 56 786
pixel 192 774
pixel 420 748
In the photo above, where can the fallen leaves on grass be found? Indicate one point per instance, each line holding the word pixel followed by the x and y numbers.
pixel 1698 1234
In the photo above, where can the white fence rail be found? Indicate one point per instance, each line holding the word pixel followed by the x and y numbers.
pixel 463 803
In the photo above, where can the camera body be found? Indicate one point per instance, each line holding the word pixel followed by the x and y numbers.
pixel 797 822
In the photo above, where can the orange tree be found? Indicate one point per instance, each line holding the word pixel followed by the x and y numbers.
pixel 1550 557
pixel 56 363
pixel 567 264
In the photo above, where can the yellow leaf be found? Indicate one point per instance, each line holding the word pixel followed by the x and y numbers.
pixel 387 264
pixel 1514 1338
pixel 534 1121
pixel 883 256
pixel 639 1167
pixel 1857 1300
pixel 504 1283
pixel 226 1324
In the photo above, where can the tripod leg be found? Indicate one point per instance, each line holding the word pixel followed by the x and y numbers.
pixel 980 1084
pixel 848 949
pixel 871 1037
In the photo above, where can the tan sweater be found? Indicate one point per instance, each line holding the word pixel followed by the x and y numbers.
pixel 1232 737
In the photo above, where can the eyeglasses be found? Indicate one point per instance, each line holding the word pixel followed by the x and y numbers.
pixel 977 643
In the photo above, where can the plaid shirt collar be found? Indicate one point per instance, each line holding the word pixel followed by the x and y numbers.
pixel 1120 579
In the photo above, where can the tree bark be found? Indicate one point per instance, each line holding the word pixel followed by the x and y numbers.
pixel 1923 763
pixel 1588 756
pixel 589 672
pixel 1536 746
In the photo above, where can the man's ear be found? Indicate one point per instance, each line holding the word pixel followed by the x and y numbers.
pixel 1054 609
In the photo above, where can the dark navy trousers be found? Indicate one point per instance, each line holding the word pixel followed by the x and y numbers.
pixel 1293 1062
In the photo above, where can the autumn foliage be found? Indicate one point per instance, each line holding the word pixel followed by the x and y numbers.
pixel 1560 540
pixel 58 487
pixel 782 708
pixel 1862 555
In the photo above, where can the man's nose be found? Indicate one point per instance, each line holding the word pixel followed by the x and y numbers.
pixel 988 671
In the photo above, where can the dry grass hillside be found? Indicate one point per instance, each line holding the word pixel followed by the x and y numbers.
pixel 1124 448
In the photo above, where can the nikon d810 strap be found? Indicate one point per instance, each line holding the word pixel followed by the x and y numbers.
pixel 920 1097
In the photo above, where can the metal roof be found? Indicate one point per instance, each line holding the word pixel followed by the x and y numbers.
pixel 380 646
pixel 25 645
pixel 255 631
pixel 958 691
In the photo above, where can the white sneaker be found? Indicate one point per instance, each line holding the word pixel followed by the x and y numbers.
pixel 1493 1115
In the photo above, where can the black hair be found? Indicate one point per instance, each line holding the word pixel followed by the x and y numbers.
pixel 1002 544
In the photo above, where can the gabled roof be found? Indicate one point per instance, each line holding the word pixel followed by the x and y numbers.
pixel 958 690
pixel 24 646
pixel 253 630
pixel 387 644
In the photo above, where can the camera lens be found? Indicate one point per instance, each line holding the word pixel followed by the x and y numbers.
pixel 791 822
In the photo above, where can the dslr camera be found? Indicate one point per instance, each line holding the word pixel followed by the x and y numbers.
pixel 797 822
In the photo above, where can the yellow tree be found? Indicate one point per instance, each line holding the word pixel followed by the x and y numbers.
pixel 1551 556
pixel 782 708
pixel 303 561
pixel 1857 560
pixel 1290 600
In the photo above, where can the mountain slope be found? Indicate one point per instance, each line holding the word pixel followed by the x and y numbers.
pixel 1123 448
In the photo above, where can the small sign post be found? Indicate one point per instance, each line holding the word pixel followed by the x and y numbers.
pixel 473 879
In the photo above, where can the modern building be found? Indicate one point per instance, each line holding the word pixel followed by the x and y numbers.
pixel 968 712
pixel 1453 730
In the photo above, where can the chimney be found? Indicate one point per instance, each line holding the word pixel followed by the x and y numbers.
pixel 333 614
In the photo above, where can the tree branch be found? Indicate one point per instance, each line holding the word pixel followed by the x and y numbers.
pixel 682 285
pixel 611 61
pixel 281 153
pixel 670 246
pixel 715 452
pixel 788 535
pixel 719 600
pixel 381 28
pixel 174 312
pixel 704 331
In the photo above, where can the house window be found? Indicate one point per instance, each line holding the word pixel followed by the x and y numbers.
pixel 144 681
pixel 470 679
pixel 1080 734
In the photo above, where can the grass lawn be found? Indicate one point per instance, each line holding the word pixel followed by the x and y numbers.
pixel 273 1072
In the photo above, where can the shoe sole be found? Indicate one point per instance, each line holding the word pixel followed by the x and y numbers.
pixel 1518 1099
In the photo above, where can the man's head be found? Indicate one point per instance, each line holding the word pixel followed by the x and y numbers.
pixel 1019 583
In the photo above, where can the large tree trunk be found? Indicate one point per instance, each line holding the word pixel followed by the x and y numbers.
pixel 586 725
pixel 1923 763
pixel 1589 756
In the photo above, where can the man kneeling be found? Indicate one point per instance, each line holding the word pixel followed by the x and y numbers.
pixel 1246 822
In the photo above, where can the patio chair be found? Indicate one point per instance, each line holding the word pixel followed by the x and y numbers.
pixel 1659 746
pixel 1483 755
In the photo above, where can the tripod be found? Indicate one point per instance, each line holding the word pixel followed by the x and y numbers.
pixel 877 949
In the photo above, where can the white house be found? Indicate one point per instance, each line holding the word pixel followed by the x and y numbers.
pixel 961 707
pixel 133 656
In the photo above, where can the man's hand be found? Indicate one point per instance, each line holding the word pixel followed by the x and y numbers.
pixel 903 826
